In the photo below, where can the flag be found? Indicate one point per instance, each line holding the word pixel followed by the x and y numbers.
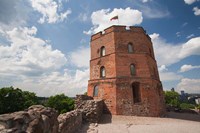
pixel 113 18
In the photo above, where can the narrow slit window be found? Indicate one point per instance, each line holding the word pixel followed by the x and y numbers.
pixel 132 68
pixel 130 48
pixel 136 92
pixel 102 72
pixel 96 90
pixel 103 51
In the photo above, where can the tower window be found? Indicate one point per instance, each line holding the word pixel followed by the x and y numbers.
pixel 103 51
pixel 136 92
pixel 102 72
pixel 96 90
pixel 130 48
pixel 132 68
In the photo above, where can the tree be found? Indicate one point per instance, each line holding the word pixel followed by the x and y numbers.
pixel 30 99
pixel 172 98
pixel 12 100
pixel 61 103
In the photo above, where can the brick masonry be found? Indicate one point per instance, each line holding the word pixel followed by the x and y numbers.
pixel 116 88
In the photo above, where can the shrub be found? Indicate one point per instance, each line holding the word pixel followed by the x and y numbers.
pixel 61 103
pixel 172 98
pixel 187 106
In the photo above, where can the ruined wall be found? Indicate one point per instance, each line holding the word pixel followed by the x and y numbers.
pixel 36 119
pixel 40 119
pixel 69 122
pixel 91 109
pixel 79 100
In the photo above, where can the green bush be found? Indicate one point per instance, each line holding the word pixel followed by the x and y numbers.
pixel 12 100
pixel 187 106
pixel 172 98
pixel 61 103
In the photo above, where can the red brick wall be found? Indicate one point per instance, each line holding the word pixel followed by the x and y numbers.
pixel 116 88
pixel 107 92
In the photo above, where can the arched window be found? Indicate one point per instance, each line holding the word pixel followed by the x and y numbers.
pixel 95 92
pixel 130 48
pixel 136 92
pixel 102 51
pixel 102 72
pixel 132 68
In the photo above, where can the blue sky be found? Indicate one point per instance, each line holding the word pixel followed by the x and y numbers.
pixel 44 45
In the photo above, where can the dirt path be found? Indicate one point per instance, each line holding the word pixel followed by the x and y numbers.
pixel 134 124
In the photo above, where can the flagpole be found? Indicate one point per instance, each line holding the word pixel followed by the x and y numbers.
pixel 118 20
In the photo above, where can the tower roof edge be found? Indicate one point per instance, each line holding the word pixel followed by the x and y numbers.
pixel 117 28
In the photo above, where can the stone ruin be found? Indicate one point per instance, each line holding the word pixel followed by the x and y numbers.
pixel 40 119
pixel 91 109
pixel 36 119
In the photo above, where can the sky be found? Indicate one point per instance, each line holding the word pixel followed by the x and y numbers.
pixel 45 44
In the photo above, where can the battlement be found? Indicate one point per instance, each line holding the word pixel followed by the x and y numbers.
pixel 117 28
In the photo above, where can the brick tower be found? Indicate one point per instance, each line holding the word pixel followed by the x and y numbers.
pixel 124 73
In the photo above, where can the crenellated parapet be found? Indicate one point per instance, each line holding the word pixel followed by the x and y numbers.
pixel 118 28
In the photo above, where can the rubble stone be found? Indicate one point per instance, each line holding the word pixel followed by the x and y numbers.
pixel 36 119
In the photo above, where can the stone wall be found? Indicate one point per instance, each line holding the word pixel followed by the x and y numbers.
pixel 91 109
pixel 79 100
pixel 69 122
pixel 36 119
pixel 40 119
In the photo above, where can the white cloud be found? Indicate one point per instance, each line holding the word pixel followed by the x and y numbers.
pixel 178 34
pixel 126 17
pixel 168 53
pixel 196 11
pixel 31 64
pixel 56 83
pixel 13 13
pixel 28 54
pixel 164 51
pixel 185 68
pixel 83 17
pixel 169 76
pixel 189 85
pixel 191 47
pixel 144 1
pixel 81 57
pixel 49 10
pixel 190 36
pixel 152 10
pixel 89 32
pixel 162 68
pixel 189 2
pixel 165 75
